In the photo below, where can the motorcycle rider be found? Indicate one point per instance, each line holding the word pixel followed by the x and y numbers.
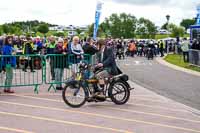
pixel 106 61
pixel 151 48
pixel 120 49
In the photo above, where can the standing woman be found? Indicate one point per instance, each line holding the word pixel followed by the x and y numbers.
pixel 8 63
pixel 77 52
pixel 59 63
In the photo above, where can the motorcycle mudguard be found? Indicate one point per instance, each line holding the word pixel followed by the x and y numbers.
pixel 122 77
pixel 71 81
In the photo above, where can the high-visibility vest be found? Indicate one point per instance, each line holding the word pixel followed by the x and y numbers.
pixel 23 50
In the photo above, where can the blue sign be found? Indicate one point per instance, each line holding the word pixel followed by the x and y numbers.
pixel 97 18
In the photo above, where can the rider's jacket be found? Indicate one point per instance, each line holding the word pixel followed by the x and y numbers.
pixel 108 61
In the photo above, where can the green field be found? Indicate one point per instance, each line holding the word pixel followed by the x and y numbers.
pixel 178 61
pixel 162 36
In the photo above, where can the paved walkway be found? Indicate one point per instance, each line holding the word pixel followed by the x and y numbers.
pixel 25 112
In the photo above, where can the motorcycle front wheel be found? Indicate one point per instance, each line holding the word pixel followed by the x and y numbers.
pixel 74 95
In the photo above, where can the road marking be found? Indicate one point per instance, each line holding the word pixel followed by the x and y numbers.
pixel 165 101
pixel 64 122
pixel 31 94
pixel 14 130
pixel 103 116
pixel 60 101
pixel 151 100
pixel 146 113
pixel 153 114
pixel 151 97
pixel 157 107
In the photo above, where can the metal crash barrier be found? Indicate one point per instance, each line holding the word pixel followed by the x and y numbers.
pixel 21 70
pixel 194 57
pixel 59 68
pixel 35 70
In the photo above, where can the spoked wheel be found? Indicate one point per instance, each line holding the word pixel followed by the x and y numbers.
pixel 74 95
pixel 119 93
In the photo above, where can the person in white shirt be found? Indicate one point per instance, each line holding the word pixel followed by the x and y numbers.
pixel 77 52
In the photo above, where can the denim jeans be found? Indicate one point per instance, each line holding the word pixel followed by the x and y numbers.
pixel 9 78
pixel 58 76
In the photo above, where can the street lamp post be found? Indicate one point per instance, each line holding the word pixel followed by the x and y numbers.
pixel 168 18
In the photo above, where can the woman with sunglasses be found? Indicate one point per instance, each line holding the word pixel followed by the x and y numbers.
pixel 59 63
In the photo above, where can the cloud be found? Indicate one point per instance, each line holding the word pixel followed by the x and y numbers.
pixel 82 12
pixel 142 2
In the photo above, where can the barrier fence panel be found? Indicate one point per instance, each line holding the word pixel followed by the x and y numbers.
pixel 34 70
pixel 60 67
pixel 194 57
pixel 21 70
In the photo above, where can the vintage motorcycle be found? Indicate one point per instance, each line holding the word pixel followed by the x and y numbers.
pixel 80 90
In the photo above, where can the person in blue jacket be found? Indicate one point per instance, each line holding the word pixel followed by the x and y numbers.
pixel 8 63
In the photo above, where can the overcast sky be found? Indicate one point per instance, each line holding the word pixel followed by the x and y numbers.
pixel 82 12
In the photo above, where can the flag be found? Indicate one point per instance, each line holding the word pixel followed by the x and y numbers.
pixel 97 18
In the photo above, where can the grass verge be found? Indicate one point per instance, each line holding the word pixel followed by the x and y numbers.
pixel 178 61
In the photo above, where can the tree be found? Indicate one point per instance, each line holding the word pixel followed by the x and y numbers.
pixel 123 25
pixel 59 34
pixel 90 31
pixel 146 28
pixel 164 26
pixel 78 31
pixel 43 28
pixel 177 31
pixel 1 30
pixel 6 28
pixel 105 28
pixel 186 23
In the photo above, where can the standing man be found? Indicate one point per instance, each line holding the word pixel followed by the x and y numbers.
pixel 185 49
pixel 27 51
pixel 132 48
pixel 161 48
pixel 89 47
pixel 50 50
